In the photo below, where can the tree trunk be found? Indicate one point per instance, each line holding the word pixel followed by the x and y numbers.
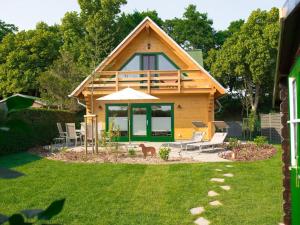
pixel 255 101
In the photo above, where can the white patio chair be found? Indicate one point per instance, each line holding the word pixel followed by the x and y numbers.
pixel 62 135
pixel 217 140
pixel 196 138
pixel 71 133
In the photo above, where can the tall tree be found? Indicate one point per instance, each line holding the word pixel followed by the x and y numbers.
pixel 127 22
pixel 99 17
pixel 221 36
pixel 23 56
pixel 59 80
pixel 6 28
pixel 193 31
pixel 247 59
pixel 73 35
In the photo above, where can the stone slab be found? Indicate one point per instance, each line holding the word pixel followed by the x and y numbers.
pixel 215 203
pixel 212 194
pixel 219 180
pixel 228 175
pixel 201 221
pixel 226 187
pixel 197 210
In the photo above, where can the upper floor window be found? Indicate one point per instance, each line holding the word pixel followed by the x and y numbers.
pixel 155 61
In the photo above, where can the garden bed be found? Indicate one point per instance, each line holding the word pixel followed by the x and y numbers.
pixel 122 156
pixel 249 152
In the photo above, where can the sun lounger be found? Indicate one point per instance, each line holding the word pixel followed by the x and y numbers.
pixel 217 139
pixel 197 138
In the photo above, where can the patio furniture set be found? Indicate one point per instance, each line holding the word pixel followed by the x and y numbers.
pixel 73 134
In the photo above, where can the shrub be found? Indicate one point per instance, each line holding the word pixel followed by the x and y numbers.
pixel 131 151
pixel 31 127
pixel 233 143
pixel 260 141
pixel 164 153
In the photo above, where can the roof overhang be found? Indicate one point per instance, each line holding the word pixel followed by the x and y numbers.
pixel 289 42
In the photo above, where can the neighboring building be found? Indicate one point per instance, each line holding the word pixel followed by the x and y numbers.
pixel 149 60
pixel 287 81
pixel 20 101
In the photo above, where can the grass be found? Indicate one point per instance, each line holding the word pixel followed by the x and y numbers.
pixel 144 194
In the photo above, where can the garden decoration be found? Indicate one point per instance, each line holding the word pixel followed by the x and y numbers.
pixel 149 149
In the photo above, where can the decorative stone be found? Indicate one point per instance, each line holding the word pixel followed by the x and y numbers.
pixel 226 188
pixel 197 211
pixel 219 180
pixel 215 203
pixel 212 194
pixel 218 170
pixel 201 221
pixel 228 175
pixel 229 166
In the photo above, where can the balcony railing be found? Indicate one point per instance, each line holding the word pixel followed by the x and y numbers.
pixel 168 81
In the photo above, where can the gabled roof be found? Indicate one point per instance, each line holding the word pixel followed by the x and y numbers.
pixel 128 40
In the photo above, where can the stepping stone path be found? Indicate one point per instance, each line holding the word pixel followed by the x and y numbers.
pixel 229 166
pixel 197 211
pixel 220 180
pixel 212 194
pixel 228 175
pixel 215 203
pixel 218 170
pixel 201 221
pixel 226 188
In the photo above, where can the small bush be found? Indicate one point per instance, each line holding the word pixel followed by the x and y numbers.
pixel 131 151
pixel 164 153
pixel 260 141
pixel 233 143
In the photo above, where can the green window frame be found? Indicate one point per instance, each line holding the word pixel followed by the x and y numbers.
pixel 148 137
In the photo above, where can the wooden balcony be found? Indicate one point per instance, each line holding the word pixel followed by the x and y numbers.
pixel 151 81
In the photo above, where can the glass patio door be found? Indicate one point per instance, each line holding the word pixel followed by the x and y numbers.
pixel 139 122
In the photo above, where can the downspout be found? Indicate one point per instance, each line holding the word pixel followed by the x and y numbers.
pixel 220 106
pixel 78 101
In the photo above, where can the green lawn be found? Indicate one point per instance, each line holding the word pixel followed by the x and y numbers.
pixel 143 194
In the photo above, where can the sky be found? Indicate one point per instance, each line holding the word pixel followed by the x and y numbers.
pixel 26 13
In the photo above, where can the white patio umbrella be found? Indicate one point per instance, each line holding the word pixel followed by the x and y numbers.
pixel 127 94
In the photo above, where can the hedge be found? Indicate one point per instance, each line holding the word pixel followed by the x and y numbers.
pixel 30 128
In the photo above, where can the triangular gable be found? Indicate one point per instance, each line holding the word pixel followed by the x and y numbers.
pixel 127 41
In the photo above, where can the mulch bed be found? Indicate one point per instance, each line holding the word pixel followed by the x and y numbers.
pixel 249 152
pixel 104 157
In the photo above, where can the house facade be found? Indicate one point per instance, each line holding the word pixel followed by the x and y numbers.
pixel 150 61
pixel 286 94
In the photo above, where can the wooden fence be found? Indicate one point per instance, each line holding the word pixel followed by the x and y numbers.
pixel 271 127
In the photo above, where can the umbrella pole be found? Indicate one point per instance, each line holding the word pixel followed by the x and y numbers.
pixel 129 125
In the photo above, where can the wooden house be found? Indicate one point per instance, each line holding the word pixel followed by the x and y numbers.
pixel 287 96
pixel 150 61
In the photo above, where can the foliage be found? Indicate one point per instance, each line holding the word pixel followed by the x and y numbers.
pixel 193 31
pixel 31 127
pixel 221 36
pixel 164 153
pixel 246 61
pixel 127 22
pixel 260 141
pixel 38 214
pixel 99 18
pixel 59 81
pixel 23 56
pixel 73 33
pixel 131 151
pixel 233 143
pixel 6 29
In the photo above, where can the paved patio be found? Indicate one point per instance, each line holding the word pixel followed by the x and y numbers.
pixel 205 156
